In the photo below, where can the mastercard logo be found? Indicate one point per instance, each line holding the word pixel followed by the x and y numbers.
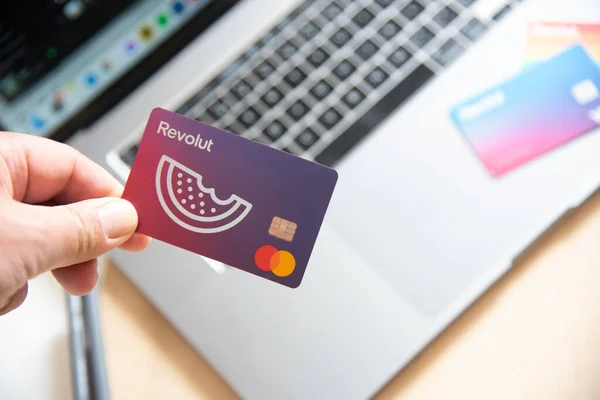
pixel 280 262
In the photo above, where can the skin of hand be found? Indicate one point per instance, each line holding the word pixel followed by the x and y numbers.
pixel 59 211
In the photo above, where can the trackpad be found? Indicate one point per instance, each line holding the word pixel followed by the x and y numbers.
pixel 425 239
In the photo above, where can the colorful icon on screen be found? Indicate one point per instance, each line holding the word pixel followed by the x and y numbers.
pixel 130 46
pixel 281 262
pixel 91 79
pixel 70 87
pixel 10 85
pixel 178 7
pixel 73 9
pixel 37 122
pixel 106 65
pixel 162 19
pixel 58 102
pixel 51 53
pixel 146 32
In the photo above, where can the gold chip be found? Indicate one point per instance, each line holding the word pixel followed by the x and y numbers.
pixel 283 229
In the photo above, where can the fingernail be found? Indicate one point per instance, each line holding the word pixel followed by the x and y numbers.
pixel 118 218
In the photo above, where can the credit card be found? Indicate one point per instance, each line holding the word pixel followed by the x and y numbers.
pixel 548 39
pixel 228 198
pixel 546 106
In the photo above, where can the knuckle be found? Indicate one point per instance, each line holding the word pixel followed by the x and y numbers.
pixel 14 300
pixel 83 235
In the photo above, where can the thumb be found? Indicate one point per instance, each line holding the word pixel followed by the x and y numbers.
pixel 81 231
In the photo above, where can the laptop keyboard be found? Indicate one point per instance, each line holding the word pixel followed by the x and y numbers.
pixel 331 71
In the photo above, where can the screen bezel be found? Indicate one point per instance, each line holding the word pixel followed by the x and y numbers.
pixel 145 68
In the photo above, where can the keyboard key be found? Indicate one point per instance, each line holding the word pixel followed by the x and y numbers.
pixel 288 150
pixel 321 90
pixel 341 37
pixel 412 10
pixel 502 13
pixel 275 130
pixel 295 77
pixel 353 98
pixel 448 52
pixel 376 77
pixel 130 154
pixel 399 57
pixel 232 129
pixel 298 110
pixel 466 3
pixel 272 97
pixel 283 23
pixel 287 50
pixel 261 139
pixel 309 31
pixel 363 17
pixel 332 11
pixel 318 57
pixel 366 124
pixel 344 70
pixel 330 118
pixel 264 70
pixel 249 117
pixel 252 51
pixel 366 50
pixel 474 29
pixel 384 3
pixel 241 89
pixel 306 139
pixel 218 109
pixel 389 30
pixel 445 16
pixel 422 37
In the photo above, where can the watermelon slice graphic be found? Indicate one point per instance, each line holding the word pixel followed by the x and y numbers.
pixel 193 206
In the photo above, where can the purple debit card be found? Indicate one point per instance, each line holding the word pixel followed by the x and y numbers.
pixel 228 198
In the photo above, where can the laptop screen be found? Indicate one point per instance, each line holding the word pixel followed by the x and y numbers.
pixel 57 57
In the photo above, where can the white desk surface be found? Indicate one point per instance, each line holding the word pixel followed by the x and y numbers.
pixel 534 335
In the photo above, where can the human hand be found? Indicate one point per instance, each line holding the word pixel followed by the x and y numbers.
pixel 58 212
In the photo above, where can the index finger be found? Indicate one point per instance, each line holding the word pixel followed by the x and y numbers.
pixel 41 170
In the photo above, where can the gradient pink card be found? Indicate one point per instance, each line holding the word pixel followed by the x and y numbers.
pixel 547 39
pixel 548 105
pixel 228 198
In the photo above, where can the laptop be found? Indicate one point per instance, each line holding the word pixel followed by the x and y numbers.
pixel 417 228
